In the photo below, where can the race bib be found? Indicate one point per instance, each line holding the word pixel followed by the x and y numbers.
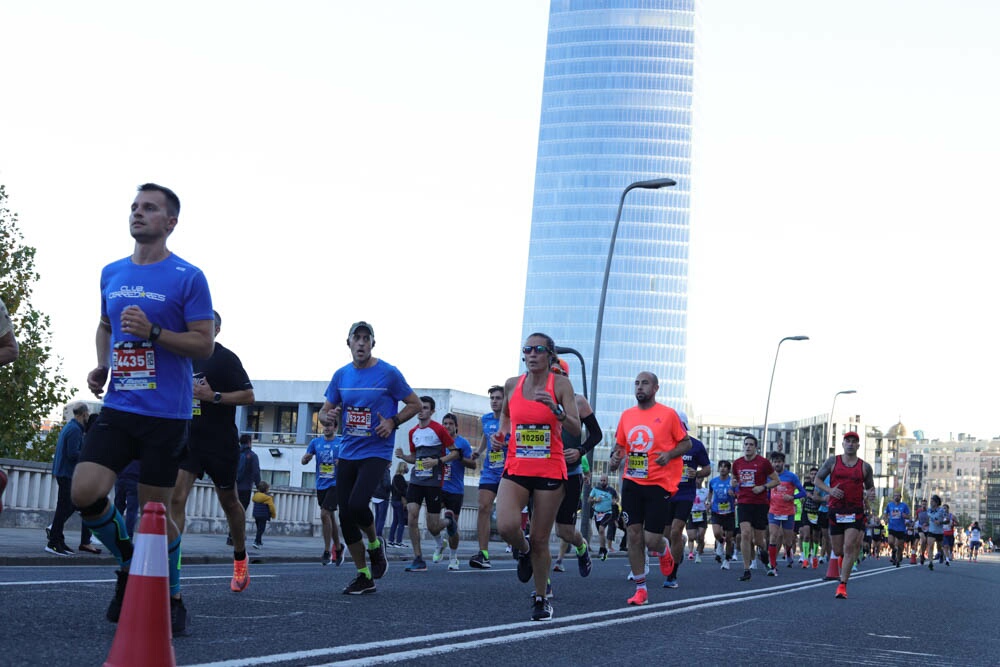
pixel 697 516
pixel 748 478
pixel 638 465
pixel 327 470
pixel 195 407
pixel 599 516
pixel 725 508
pixel 422 469
pixel 358 421
pixel 496 460
pixel 133 366
pixel 845 518
pixel 895 514
pixel 533 441
pixel 447 472
pixel 687 473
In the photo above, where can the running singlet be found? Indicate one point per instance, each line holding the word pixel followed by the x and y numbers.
pixel 895 512
pixel 454 472
pixel 536 448
pixel 748 474
pixel 696 456
pixel 147 379
pixel 494 460
pixel 644 434
pixel 429 442
pixel 698 511
pixel 326 453
pixel 722 495
pixel 364 394
pixel 850 480
pixel 789 483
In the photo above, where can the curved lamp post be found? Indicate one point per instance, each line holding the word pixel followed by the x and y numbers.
pixel 767 406
pixel 654 184
pixel 829 424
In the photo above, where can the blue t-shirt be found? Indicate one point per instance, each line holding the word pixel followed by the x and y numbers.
pixel 493 462
pixel 454 472
pixel 364 394
pixel 326 452
pixel 723 498
pixel 145 378
pixel 604 498
pixel 895 512
pixel 696 456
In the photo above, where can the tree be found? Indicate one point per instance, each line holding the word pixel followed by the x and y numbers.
pixel 32 386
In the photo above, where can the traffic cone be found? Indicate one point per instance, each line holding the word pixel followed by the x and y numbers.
pixel 833 568
pixel 143 636
pixel 913 558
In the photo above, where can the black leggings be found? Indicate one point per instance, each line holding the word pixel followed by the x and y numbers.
pixel 356 482
pixel 261 527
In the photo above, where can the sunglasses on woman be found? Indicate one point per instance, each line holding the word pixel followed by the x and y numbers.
pixel 538 349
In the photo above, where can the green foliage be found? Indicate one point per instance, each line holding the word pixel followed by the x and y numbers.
pixel 32 386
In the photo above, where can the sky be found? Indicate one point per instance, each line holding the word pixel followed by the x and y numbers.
pixel 340 161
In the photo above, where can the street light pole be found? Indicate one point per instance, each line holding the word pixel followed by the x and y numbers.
pixel 829 424
pixel 767 406
pixel 654 184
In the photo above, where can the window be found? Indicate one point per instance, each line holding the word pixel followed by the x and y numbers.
pixel 255 415
pixel 286 419
pixel 276 477
pixel 308 480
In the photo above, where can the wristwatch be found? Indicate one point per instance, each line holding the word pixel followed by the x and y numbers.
pixel 154 332
pixel 559 412
pixel 395 421
pixel 217 398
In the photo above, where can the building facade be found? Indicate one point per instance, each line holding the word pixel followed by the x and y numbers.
pixel 616 108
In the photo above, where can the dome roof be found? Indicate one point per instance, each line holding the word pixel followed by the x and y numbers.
pixel 897 432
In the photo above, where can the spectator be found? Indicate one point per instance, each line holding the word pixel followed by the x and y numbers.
pixel 247 474
pixel 66 457
pixel 263 511
pixel 397 498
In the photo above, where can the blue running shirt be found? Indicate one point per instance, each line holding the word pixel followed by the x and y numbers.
pixel 493 462
pixel 364 394
pixel 326 452
pixel 723 498
pixel 147 379
pixel 454 472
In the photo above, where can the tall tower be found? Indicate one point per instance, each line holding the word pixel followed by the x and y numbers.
pixel 616 108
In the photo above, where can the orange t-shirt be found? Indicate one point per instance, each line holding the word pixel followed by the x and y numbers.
pixel 645 434
pixel 536 447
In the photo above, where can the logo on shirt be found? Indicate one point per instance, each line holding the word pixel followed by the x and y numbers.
pixel 135 292
pixel 640 438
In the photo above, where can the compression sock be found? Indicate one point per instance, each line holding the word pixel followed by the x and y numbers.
pixel 374 544
pixel 485 553
pixel 174 566
pixel 365 571
pixel 772 555
pixel 110 529
pixel 582 549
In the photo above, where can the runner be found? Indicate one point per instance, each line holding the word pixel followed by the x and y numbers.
pixel 695 468
pixel 878 537
pixel 364 396
pixel 722 499
pixel 948 536
pixel 220 384
pixel 936 517
pixel 489 477
pixel 922 523
pixel 602 499
pixel 432 449
pixel 697 523
pixel 326 449
pixel 453 489
pixel 753 477
pixel 651 440
pixel 156 315
pixel 538 407
pixel 781 514
pixel 851 487
pixel 975 541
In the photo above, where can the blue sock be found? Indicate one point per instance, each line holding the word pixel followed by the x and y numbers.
pixel 110 529
pixel 174 566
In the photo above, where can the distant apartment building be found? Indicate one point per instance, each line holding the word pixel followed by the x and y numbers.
pixel 955 470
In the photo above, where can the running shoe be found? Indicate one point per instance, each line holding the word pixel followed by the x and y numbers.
pixel 805 564
pixel 89 548
pixel 666 563
pixel 930 565
pixel 542 610
pixel 257 545
pixel 418 565
pixel 376 557
pixel 697 558
pixel 753 564
pixel 640 598
pixel 583 561
pixel 558 567
pixel 841 592
pixel 725 565
pixel 524 566
pixel 602 554
pixel 690 555
pixel 115 608
pixel 325 558
pixel 718 558
pixel 451 524
pixel 241 577
pixel 338 557
pixel 439 553
pixel 771 572
pixel 670 582
pixel 360 586
pixel 178 617
pixel 58 549
pixel 453 565
pixel 790 562
pixel 746 575
pixel 480 562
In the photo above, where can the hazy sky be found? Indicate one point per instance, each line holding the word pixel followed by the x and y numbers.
pixel 340 161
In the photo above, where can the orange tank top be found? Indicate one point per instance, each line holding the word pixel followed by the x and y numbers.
pixel 536 447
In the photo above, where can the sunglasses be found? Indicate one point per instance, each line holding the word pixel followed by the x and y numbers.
pixel 538 349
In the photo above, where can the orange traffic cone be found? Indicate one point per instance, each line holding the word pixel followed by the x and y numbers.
pixel 833 568
pixel 143 636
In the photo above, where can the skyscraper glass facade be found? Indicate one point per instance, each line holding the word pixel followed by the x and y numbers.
pixel 616 108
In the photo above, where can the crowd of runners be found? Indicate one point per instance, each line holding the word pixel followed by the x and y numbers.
pixel 171 392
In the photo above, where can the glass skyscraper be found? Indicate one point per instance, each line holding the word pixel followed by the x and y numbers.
pixel 616 108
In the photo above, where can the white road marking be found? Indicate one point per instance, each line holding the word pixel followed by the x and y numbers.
pixel 872 634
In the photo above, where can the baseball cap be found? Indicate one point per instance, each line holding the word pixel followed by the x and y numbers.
pixel 852 434
pixel 683 417
pixel 361 325
pixel 560 365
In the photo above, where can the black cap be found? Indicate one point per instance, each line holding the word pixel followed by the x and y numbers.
pixel 361 325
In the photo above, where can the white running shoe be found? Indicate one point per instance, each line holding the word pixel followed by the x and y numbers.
pixel 453 565
pixel 439 553
pixel 753 564
pixel 697 558
pixel 725 565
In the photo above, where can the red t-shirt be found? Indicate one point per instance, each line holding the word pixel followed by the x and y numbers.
pixel 646 433
pixel 748 474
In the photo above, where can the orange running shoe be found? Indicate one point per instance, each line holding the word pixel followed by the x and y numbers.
pixel 641 597
pixel 842 591
pixel 241 577
pixel 666 564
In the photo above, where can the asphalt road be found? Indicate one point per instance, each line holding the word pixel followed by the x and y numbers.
pixel 294 614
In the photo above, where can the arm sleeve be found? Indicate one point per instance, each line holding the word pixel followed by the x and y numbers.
pixel 594 434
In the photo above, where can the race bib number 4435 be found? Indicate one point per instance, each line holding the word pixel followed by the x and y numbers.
pixel 133 366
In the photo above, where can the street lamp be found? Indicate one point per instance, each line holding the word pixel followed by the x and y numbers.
pixel 654 184
pixel 829 424
pixel 767 407
pixel 560 350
